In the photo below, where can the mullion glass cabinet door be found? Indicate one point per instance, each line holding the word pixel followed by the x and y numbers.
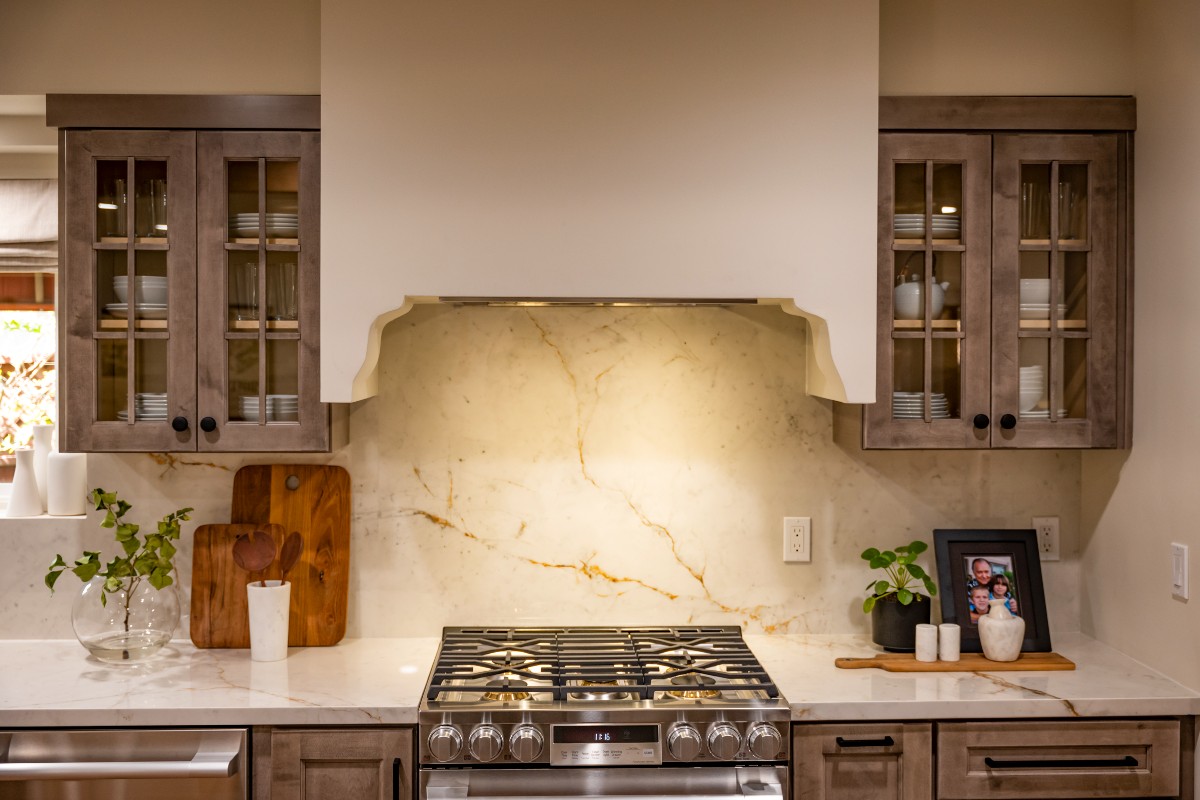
pixel 128 291
pixel 1054 280
pixel 259 387
pixel 933 289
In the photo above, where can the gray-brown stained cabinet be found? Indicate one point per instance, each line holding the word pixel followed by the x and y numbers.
pixel 1004 278
pixel 335 763
pixel 857 761
pixel 202 372
pixel 994 759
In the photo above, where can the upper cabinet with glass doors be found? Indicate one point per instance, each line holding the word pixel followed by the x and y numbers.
pixel 190 291
pixel 1003 285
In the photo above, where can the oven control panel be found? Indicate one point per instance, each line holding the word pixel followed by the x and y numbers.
pixel 602 744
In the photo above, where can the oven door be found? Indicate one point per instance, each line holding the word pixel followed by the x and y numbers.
pixel 636 783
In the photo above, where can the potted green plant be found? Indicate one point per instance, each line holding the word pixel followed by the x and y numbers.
pixel 895 604
pixel 128 608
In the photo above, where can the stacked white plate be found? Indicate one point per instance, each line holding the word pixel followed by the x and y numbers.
pixel 911 405
pixel 1032 387
pixel 148 406
pixel 144 310
pixel 945 226
pixel 1041 310
pixel 282 225
pixel 1042 414
pixel 280 408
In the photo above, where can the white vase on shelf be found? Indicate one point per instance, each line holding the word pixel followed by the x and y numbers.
pixel 25 500
pixel 66 474
pixel 43 444
pixel 1001 634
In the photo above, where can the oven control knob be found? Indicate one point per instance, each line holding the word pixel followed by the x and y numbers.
pixel 724 741
pixel 445 742
pixel 684 742
pixel 525 743
pixel 486 742
pixel 764 741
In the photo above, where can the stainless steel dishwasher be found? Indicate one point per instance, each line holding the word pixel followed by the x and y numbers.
pixel 133 764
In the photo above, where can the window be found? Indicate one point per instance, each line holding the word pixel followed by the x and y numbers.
pixel 28 340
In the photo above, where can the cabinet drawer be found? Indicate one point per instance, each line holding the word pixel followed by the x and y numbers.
pixel 880 761
pixel 1067 759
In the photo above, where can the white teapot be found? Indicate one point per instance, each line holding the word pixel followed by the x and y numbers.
pixel 1001 633
pixel 910 302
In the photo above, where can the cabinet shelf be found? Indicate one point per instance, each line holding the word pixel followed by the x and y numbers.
pixel 918 324
pixel 272 325
pixel 141 324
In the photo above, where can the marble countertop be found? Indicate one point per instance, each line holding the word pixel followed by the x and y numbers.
pixel 379 681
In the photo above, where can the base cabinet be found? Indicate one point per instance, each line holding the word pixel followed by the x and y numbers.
pixel 334 763
pixel 995 760
pixel 856 762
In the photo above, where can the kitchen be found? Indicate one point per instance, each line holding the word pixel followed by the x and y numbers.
pixel 516 445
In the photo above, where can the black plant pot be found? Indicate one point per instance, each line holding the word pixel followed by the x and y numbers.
pixel 894 626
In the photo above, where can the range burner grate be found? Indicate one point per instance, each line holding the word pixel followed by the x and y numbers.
pixel 566 663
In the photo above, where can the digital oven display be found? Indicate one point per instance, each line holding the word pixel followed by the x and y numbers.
pixel 605 734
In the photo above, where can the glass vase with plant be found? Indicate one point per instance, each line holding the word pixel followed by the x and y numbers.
pixel 128 608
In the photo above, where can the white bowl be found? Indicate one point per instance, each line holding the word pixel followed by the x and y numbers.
pixel 151 290
pixel 1035 290
pixel 1031 397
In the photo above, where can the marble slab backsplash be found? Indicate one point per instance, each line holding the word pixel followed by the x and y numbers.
pixel 525 466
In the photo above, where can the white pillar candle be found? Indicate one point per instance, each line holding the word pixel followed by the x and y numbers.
pixel 927 642
pixel 66 474
pixel 949 641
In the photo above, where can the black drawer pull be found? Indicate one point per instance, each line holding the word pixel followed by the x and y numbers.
pixel 886 741
pixel 1060 763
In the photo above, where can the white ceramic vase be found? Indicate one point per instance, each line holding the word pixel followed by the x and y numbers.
pixel 269 606
pixel 43 444
pixel 1001 634
pixel 67 493
pixel 24 500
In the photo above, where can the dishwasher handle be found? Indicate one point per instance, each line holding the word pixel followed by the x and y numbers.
pixel 214 758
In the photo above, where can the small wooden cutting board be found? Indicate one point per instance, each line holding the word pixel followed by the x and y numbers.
pixel 220 617
pixel 968 662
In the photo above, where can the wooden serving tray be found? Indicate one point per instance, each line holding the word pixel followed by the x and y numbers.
pixel 968 662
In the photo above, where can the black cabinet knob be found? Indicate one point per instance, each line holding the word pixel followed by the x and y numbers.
pixel 981 421
pixel 208 424
pixel 1008 422
pixel 180 424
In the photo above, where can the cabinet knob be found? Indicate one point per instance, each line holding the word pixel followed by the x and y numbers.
pixel 208 424
pixel 1008 422
pixel 180 424
pixel 981 421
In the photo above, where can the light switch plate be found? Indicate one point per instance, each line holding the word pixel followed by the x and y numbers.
pixel 1179 571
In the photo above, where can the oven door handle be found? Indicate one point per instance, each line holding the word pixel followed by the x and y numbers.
pixel 457 788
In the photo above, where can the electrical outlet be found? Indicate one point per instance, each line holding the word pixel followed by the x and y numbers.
pixel 797 539
pixel 1047 537
pixel 1179 571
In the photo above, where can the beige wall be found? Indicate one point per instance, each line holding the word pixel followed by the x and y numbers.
pixel 160 46
pixel 1136 507
pixel 1015 47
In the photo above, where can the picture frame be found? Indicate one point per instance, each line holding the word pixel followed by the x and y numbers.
pixel 1008 561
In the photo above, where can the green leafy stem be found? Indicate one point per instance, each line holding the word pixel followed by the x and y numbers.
pixel 148 557
pixel 901 572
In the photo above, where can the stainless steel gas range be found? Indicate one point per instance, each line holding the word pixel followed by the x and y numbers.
pixel 601 712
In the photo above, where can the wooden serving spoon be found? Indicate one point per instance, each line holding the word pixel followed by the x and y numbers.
pixel 254 552
pixel 290 553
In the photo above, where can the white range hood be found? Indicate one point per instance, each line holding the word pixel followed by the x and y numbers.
pixel 628 150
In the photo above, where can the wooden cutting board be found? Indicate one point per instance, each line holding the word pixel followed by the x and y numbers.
pixel 313 500
pixel 219 615
pixel 968 662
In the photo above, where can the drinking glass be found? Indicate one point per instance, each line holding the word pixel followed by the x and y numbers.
pixel 244 285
